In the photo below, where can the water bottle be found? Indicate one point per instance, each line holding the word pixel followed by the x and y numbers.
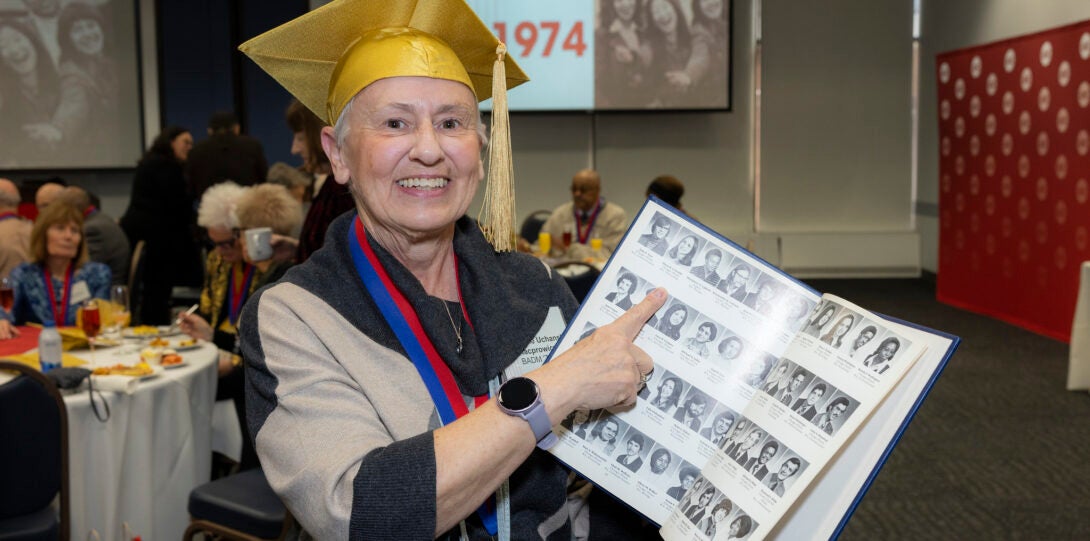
pixel 49 348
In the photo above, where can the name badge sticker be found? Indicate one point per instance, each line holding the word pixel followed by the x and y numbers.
pixel 538 349
pixel 80 293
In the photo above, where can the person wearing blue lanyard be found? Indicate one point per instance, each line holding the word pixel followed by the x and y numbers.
pixel 392 388
pixel 51 286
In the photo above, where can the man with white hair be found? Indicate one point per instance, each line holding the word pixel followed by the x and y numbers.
pixel 14 230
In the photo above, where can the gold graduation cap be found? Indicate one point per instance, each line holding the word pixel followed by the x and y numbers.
pixel 327 56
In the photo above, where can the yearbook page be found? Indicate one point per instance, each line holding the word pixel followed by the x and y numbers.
pixel 758 381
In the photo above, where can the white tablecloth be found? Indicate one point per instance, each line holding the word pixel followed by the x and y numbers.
pixel 140 465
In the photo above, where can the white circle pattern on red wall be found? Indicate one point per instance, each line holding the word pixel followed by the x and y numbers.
pixel 1014 174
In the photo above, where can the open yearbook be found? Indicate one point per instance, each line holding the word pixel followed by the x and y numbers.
pixel 771 406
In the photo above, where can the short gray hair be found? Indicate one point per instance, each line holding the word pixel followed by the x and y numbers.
pixel 288 176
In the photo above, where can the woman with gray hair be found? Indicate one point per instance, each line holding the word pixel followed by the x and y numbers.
pixel 228 282
pixel 271 206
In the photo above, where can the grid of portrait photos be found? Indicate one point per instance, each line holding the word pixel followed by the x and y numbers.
pixel 817 401
pixel 864 340
pixel 710 262
pixel 612 439
pixel 714 516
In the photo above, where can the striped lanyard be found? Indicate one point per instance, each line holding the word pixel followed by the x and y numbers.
pixel 584 232
pixel 47 281
pixel 405 323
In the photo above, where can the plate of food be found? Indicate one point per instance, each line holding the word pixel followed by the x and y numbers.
pixel 171 359
pixel 141 331
pixel 183 343
pixel 140 370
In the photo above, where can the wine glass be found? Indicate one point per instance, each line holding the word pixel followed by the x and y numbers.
pixel 90 322
pixel 7 294
pixel 119 299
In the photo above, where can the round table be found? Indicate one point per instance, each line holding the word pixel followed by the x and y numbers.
pixel 138 467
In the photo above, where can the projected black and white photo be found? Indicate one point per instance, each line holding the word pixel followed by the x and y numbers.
pixel 669 54
pixel 69 92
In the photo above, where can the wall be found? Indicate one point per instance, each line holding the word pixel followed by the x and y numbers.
pixel 954 25
pixel 835 121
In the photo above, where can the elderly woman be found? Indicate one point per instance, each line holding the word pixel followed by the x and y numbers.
pixel 50 287
pixel 226 210
pixel 405 292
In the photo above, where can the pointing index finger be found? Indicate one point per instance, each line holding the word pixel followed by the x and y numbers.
pixel 634 318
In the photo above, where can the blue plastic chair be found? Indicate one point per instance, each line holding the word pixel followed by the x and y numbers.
pixel 34 427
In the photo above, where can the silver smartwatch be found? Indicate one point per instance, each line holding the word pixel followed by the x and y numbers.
pixel 520 397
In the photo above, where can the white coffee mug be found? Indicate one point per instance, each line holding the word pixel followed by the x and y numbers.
pixel 258 243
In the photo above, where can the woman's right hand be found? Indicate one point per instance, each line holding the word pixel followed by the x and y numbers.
pixel 7 330
pixel 195 326
pixel 605 369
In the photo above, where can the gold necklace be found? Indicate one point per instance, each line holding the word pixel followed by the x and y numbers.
pixel 457 331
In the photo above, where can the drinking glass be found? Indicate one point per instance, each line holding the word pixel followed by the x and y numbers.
pixel 7 294
pixel 544 243
pixel 565 240
pixel 119 299
pixel 90 321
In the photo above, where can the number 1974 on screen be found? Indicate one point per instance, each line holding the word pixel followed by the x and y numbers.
pixel 527 33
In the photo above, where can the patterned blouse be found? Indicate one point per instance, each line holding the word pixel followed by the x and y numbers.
pixel 32 300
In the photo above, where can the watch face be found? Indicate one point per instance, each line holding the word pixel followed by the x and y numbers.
pixel 518 393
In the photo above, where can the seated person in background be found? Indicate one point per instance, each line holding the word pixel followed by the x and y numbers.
pixel 669 189
pixel 587 216
pixel 58 278
pixel 332 386
pixel 46 194
pixel 14 229
pixel 228 282
pixel 106 241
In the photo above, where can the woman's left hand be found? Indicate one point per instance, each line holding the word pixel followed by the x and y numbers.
pixel 7 330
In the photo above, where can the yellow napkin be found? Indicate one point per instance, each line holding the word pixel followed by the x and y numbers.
pixel 72 338
pixel 31 359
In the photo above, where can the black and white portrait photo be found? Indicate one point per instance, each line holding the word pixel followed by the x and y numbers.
pixel 69 92
pixel 662 54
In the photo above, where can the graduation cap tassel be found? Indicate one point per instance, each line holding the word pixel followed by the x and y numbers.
pixel 498 210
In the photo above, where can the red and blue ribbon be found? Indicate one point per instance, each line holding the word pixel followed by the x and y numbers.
pixel 405 323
